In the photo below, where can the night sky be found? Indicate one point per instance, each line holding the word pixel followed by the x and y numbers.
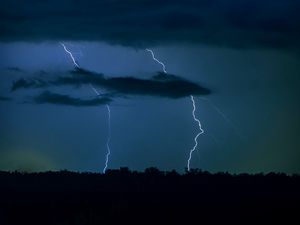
pixel 239 59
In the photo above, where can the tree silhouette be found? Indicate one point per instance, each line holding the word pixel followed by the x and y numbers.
pixel 124 196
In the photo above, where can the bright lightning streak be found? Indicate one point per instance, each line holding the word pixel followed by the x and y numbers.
pixel 109 130
pixel 107 107
pixel 196 137
pixel 155 59
pixel 193 113
pixel 108 140
pixel 70 54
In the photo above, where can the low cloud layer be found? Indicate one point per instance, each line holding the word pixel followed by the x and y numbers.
pixel 3 98
pixel 234 23
pixel 29 83
pixel 160 85
pixel 59 99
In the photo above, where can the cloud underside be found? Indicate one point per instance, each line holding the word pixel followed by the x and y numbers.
pixel 59 99
pixel 152 22
pixel 160 85
pixel 4 98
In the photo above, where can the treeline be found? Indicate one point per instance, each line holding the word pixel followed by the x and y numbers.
pixel 124 179
pixel 149 197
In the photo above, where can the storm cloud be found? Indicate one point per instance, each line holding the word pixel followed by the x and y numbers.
pixel 234 23
pixel 160 85
pixel 3 98
pixel 28 83
pixel 59 99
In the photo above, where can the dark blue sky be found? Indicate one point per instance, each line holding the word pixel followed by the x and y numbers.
pixel 253 82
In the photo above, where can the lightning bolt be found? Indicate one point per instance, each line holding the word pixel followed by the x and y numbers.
pixel 155 59
pixel 201 131
pixel 108 139
pixel 107 107
pixel 70 54
pixel 109 130
pixel 225 118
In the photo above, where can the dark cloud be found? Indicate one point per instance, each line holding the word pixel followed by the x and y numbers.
pixel 235 23
pixel 169 88
pixel 29 83
pixel 161 85
pixel 15 69
pixel 59 99
pixel 3 98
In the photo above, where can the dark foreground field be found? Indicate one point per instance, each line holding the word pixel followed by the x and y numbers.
pixel 152 197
